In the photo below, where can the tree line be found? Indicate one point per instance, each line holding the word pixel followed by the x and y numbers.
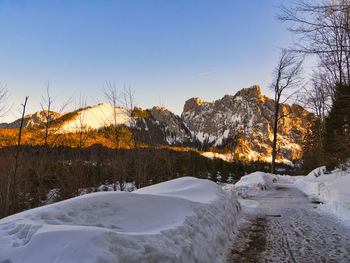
pixel 45 175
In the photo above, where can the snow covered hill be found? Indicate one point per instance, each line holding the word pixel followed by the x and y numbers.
pixel 183 220
pixel 95 117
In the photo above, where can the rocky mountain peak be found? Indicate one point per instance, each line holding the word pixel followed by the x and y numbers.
pixel 253 92
pixel 157 108
pixel 193 103
pixel 247 115
pixel 32 119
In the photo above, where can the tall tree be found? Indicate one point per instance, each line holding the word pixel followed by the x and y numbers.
pixel 286 77
pixel 336 140
pixel 51 133
pixel 322 28
pixel 12 182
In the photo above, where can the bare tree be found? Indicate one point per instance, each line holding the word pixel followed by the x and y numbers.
pixel 128 102
pixel 11 191
pixel 286 77
pixel 120 134
pixel 3 100
pixel 46 105
pixel 111 95
pixel 51 133
pixel 81 125
pixel 317 97
pixel 322 29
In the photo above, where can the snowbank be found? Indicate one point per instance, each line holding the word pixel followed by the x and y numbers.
pixel 256 180
pixel 332 189
pixel 263 181
pixel 183 220
pixel 187 187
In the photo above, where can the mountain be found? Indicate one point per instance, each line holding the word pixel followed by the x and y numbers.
pixel 31 120
pixel 239 125
pixel 245 122
pixel 162 127
pixel 92 117
pixel 95 117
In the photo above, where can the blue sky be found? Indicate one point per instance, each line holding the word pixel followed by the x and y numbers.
pixel 167 51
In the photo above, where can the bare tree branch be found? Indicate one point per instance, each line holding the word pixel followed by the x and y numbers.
pixel 287 76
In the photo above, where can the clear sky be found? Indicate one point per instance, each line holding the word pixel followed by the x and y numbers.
pixel 167 51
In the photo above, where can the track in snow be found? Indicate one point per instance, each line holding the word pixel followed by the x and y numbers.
pixel 288 227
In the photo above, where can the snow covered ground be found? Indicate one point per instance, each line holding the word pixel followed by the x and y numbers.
pixel 183 220
pixel 330 189
pixel 333 189
pixel 293 218
pixel 95 117
pixel 284 225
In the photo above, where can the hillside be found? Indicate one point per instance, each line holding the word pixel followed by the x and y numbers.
pixel 238 125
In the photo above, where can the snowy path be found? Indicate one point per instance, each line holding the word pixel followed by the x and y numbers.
pixel 286 226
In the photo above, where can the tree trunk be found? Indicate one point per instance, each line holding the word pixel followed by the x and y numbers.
pixel 12 195
pixel 274 144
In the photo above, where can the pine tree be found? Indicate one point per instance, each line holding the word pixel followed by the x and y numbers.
pixel 336 137
pixel 312 146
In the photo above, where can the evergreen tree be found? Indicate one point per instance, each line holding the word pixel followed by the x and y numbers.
pixel 312 145
pixel 336 138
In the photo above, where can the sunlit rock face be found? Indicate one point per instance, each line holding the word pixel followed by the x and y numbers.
pixel 244 122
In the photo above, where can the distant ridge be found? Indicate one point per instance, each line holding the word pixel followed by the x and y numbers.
pixel 239 125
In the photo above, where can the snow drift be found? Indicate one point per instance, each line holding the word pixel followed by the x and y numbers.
pixel 331 188
pixel 263 181
pixel 183 220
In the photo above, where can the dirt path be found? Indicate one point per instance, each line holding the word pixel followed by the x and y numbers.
pixel 286 226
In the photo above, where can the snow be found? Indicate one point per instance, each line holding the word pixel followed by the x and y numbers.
pixel 183 220
pixel 202 137
pixel 249 155
pixel 101 115
pixel 331 189
pixel 187 187
pixel 283 225
pixel 257 180
pixel 263 181
pixel 211 155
